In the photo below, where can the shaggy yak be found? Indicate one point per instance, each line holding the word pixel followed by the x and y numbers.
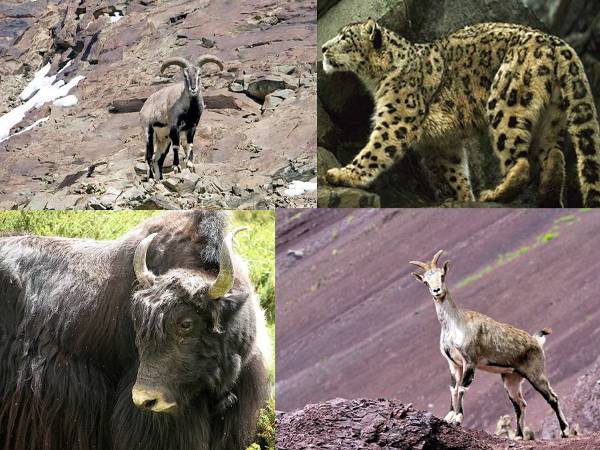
pixel 152 341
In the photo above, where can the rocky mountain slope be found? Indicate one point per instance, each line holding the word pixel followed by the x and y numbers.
pixel 353 323
pixel 255 139
pixel 375 424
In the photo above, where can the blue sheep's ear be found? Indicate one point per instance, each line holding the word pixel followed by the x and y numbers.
pixel 446 266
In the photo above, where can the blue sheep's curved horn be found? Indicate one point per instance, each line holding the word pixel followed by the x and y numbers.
pixel 181 62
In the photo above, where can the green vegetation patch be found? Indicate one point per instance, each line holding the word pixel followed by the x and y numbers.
pixel 101 225
pixel 552 234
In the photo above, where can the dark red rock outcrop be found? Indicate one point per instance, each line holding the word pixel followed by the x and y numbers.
pixel 385 424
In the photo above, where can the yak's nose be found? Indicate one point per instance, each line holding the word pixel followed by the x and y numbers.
pixel 150 400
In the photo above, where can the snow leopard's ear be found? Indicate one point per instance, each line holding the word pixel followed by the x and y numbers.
pixel 374 33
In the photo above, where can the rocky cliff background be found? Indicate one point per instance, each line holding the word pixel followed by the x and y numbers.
pixel 344 108
pixel 256 137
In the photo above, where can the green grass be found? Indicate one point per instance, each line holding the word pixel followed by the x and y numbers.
pixel 81 224
pixel 505 258
pixel 567 218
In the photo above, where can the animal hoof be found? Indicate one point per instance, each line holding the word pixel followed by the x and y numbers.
pixel 449 417
pixel 458 418
pixel 177 169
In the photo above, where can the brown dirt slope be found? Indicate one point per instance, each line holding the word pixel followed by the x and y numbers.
pixel 352 322
pixel 90 155
pixel 375 424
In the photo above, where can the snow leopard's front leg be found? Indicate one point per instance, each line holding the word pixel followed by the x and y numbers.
pixel 398 119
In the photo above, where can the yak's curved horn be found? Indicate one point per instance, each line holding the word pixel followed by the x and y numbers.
pixel 422 265
pixel 181 62
pixel 224 282
pixel 436 257
pixel 142 273
pixel 205 59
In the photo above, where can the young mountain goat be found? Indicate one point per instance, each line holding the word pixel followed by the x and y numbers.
pixel 470 340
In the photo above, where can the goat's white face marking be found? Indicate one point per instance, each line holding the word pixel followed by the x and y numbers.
pixel 192 79
pixel 435 280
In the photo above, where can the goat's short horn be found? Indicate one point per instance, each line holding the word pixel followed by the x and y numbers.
pixel 224 282
pixel 436 257
pixel 422 265
pixel 181 62
pixel 142 273
pixel 205 59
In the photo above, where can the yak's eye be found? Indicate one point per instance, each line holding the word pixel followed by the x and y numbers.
pixel 185 325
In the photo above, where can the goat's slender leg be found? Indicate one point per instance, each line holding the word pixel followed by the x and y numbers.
pixel 190 133
pixel 174 135
pixel 149 150
pixel 463 383
pixel 513 383
pixel 541 384
pixel 162 148
pixel 161 160
pixel 455 372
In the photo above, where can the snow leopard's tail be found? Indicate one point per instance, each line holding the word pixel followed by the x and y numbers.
pixel 582 122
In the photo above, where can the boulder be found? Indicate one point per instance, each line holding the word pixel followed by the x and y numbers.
pixel 325 161
pixel 262 86
pixel 341 197
pixel 372 424
pixel 327 134
pixel 182 183
pixel 274 99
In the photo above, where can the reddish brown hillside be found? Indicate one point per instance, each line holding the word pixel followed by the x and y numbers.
pixel 353 323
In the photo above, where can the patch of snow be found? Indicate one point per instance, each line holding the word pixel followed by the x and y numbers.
pixel 300 187
pixel 30 127
pixel 69 100
pixel 39 80
pixel 116 17
pixel 66 65
pixel 42 89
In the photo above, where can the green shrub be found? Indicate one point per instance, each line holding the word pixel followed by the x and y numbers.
pixel 265 436
pixel 257 246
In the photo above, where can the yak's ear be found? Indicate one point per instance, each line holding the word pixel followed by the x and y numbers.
pixel 374 33
pixel 236 295
pixel 418 276
pixel 446 266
